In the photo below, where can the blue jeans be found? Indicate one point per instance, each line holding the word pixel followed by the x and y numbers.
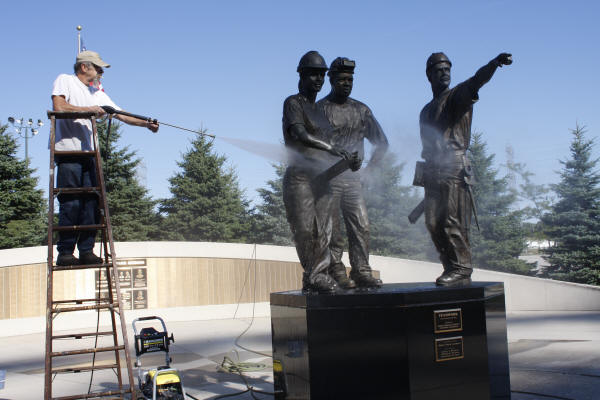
pixel 76 209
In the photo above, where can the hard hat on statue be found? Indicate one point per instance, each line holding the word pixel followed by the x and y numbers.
pixel 312 60
pixel 436 58
pixel 341 64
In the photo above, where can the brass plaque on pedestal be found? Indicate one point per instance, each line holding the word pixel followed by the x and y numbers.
pixel 447 349
pixel 447 320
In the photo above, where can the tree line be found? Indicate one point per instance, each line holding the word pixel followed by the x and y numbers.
pixel 207 204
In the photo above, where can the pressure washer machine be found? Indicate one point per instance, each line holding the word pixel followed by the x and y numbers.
pixel 160 383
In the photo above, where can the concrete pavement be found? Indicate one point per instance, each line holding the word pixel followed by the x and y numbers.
pixel 553 355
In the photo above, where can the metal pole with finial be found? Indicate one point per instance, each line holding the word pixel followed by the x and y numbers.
pixel 78 39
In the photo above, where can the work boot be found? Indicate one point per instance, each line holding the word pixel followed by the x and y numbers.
pixel 365 279
pixel 66 260
pixel 338 273
pixel 321 283
pixel 90 258
pixel 453 278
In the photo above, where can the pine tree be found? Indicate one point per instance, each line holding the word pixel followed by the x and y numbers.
pixel 131 209
pixel 23 215
pixel 573 225
pixel 502 236
pixel 270 225
pixel 207 203
pixel 388 205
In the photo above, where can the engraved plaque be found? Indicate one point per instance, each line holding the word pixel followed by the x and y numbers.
pixel 125 278
pixel 139 277
pixel 126 299
pixel 447 349
pixel 140 299
pixel 447 320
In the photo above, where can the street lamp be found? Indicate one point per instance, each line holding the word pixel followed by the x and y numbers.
pixel 23 127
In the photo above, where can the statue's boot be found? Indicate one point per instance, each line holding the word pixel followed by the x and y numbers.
pixel 319 283
pixel 453 278
pixel 338 273
pixel 364 278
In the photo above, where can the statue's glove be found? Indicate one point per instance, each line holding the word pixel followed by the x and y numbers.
pixel 355 162
pixel 504 59
pixel 337 151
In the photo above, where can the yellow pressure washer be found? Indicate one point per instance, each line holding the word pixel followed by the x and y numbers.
pixel 160 383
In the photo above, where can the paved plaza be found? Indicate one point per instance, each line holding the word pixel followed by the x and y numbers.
pixel 553 355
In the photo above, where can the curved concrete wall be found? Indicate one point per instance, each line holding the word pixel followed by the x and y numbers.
pixel 200 274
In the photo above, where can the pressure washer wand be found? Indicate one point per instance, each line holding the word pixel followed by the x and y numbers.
pixel 112 110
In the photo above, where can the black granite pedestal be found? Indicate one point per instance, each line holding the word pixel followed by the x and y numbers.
pixel 412 341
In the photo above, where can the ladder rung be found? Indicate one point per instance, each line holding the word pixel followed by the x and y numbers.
pixel 70 114
pixel 77 153
pixel 78 190
pixel 86 351
pixel 84 308
pixel 83 368
pixel 80 266
pixel 57 228
pixel 94 395
pixel 75 301
pixel 82 335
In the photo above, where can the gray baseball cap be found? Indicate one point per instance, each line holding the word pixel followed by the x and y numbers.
pixel 93 57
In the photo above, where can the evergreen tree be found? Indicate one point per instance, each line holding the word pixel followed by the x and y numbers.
pixel 270 225
pixel 573 225
pixel 132 214
pixel 388 205
pixel 23 212
pixel 207 203
pixel 502 236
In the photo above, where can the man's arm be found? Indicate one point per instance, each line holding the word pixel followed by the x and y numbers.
pixel 485 73
pixel 137 122
pixel 298 131
pixel 377 138
pixel 60 104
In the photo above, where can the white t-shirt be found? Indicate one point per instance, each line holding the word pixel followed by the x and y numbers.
pixel 76 134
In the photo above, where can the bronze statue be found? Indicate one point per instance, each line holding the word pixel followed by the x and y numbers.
pixel 446 174
pixel 352 122
pixel 307 199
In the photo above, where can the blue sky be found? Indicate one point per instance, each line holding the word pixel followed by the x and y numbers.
pixel 228 66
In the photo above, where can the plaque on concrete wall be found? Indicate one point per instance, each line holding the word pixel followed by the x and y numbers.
pixel 125 278
pixel 140 299
pixel 126 298
pixel 447 349
pixel 447 320
pixel 140 277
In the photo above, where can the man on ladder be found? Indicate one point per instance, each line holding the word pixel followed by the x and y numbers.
pixel 75 93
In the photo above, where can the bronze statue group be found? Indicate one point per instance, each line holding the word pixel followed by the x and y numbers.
pixel 318 133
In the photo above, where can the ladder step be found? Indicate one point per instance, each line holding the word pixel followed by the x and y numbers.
pixel 86 351
pixel 75 301
pixel 82 335
pixel 84 308
pixel 57 228
pixel 78 190
pixel 77 153
pixel 70 114
pixel 80 266
pixel 84 368
pixel 94 395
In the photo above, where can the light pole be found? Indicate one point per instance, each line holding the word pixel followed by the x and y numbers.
pixel 23 127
